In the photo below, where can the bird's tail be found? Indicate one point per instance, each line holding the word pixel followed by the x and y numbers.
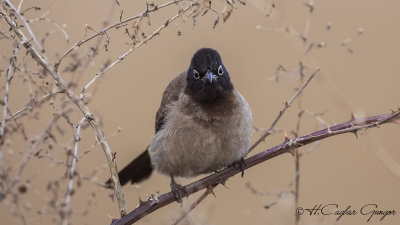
pixel 137 170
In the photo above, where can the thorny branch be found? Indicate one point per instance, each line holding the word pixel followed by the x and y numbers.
pixel 352 126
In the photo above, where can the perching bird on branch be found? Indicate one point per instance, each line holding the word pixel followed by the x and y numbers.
pixel 203 125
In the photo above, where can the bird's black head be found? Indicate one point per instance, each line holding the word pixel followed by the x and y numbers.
pixel 207 78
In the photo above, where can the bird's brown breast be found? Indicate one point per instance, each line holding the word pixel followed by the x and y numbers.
pixel 201 138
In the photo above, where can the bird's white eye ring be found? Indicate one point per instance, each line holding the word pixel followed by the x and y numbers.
pixel 196 74
pixel 220 70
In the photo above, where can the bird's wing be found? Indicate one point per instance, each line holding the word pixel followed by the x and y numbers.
pixel 140 168
pixel 171 94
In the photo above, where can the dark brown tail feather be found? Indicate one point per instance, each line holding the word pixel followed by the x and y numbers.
pixel 136 171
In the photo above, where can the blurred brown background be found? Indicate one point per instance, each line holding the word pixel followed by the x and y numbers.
pixel 341 170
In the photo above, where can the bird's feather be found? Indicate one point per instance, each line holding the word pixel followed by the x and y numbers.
pixel 136 171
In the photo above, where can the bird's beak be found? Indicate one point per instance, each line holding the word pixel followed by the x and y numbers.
pixel 209 77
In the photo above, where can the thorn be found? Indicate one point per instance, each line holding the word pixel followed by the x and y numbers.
pixel 293 151
pixel 211 191
pixel 329 130
pixel 286 136
pixel 355 133
pixel 353 116
pixel 223 184
pixel 141 202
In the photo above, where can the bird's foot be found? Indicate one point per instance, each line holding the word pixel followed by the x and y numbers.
pixel 178 190
pixel 239 163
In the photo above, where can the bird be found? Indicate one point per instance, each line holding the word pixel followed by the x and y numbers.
pixel 203 125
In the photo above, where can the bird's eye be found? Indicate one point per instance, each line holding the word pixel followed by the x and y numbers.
pixel 220 70
pixel 196 74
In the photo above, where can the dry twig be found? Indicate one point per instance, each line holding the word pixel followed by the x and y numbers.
pixel 70 189
pixel 116 24
pixel 287 105
pixel 6 94
pixel 144 41
pixel 15 10
pixel 78 102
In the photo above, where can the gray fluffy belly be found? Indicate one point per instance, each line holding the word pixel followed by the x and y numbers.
pixel 188 149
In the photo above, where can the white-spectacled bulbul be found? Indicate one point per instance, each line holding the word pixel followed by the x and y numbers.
pixel 203 124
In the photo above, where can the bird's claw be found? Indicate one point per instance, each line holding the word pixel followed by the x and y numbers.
pixel 241 163
pixel 178 191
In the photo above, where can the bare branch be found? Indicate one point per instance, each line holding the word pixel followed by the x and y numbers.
pixel 26 25
pixel 31 105
pixel 79 103
pixel 77 76
pixel 144 41
pixel 221 177
pixel 51 21
pixel 8 80
pixel 287 104
pixel 70 189
pixel 29 154
pixel 116 24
